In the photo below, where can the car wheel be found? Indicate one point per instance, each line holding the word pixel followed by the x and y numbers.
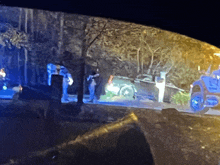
pixel 197 103
pixel 127 91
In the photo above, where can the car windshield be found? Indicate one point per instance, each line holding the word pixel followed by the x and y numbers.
pixel 82 89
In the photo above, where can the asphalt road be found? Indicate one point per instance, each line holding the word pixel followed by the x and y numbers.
pixel 126 103
pixel 142 104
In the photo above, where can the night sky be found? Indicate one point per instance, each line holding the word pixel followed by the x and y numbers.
pixel 196 19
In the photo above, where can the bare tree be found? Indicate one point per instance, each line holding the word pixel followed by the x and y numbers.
pixel 86 44
pixel 60 43
pixel 19 27
pixel 33 57
pixel 152 57
pixel 25 50
pixel 85 32
pixel 15 37
pixel 138 60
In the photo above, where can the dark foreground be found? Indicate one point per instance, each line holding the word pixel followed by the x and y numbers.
pixel 133 136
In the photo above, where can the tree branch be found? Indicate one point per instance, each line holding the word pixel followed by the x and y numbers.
pixel 152 59
pixel 170 67
pixel 156 66
pixel 156 49
pixel 97 35
pixel 149 47
pixel 88 32
pixel 119 59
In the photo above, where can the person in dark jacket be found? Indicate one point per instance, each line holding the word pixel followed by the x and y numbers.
pixel 92 86
pixel 99 85
pixel 67 80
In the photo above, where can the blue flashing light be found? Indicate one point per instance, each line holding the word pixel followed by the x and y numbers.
pixel 4 87
pixel 212 101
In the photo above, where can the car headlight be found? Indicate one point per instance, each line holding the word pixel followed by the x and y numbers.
pixel 109 87
pixel 112 88
pixel 212 101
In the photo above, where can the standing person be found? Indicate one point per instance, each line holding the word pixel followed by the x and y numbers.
pixel 92 85
pixel 67 80
pixel 51 69
pixel 2 79
pixel 2 73
pixel 99 86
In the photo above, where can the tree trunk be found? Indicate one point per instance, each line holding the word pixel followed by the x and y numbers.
pixel 142 64
pixel 81 74
pixel 45 14
pixel 156 68
pixel 128 56
pixel 61 35
pixel 151 64
pixel 53 34
pixel 1 55
pixel 138 61
pixel 20 14
pixel 82 70
pixel 25 50
pixel 142 46
pixel 38 74
pixel 152 58
pixel 19 72
pixel 26 20
pixel 85 48
pixel 84 79
pixel 33 63
pixel 25 66
pixel 37 31
pixel 9 61
pixel 19 68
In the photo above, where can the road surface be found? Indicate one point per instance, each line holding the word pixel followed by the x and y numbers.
pixel 8 94
pixel 141 104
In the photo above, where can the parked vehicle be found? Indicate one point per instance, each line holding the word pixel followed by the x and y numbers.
pixel 144 77
pixel 121 86
pixel 205 94
pixel 140 88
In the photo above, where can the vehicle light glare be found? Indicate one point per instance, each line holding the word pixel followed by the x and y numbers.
pixel 4 87
pixel 212 101
pixel 70 81
pixel 112 88
pixel 20 88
